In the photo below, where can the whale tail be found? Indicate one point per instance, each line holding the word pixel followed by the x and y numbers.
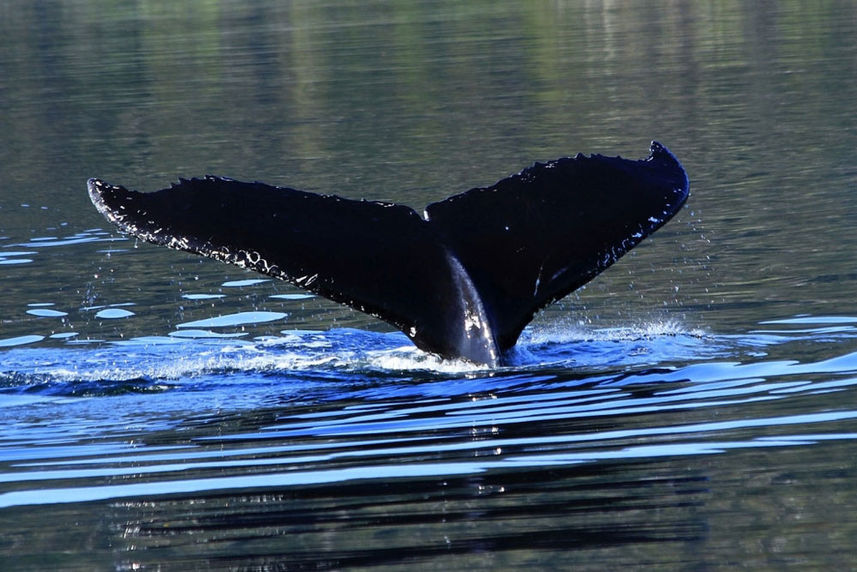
pixel 462 282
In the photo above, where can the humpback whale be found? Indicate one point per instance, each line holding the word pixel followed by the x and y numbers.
pixel 463 280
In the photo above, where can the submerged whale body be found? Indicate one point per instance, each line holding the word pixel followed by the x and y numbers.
pixel 461 282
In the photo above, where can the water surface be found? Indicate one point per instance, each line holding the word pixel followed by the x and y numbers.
pixel 693 407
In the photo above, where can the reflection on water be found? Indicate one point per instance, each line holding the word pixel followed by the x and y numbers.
pixel 690 409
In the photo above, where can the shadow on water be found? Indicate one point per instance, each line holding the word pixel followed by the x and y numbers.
pixel 470 517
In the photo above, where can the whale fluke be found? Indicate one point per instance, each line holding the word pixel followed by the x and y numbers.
pixel 462 282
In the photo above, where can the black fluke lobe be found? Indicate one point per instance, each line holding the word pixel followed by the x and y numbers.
pixel 461 283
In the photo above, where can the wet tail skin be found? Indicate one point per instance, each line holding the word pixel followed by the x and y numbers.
pixel 462 282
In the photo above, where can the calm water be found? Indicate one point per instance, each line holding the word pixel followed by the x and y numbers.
pixel 692 408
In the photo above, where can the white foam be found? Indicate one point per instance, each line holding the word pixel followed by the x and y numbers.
pixel 565 332
pixel 409 358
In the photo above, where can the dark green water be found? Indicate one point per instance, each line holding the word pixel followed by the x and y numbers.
pixel 692 408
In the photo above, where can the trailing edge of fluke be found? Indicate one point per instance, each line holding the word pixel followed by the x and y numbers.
pixel 461 282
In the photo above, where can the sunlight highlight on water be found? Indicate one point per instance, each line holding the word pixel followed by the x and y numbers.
pixel 239 319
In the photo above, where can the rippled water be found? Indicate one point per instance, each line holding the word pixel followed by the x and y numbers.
pixel 692 408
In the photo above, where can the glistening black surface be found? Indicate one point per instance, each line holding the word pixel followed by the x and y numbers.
pixel 464 282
